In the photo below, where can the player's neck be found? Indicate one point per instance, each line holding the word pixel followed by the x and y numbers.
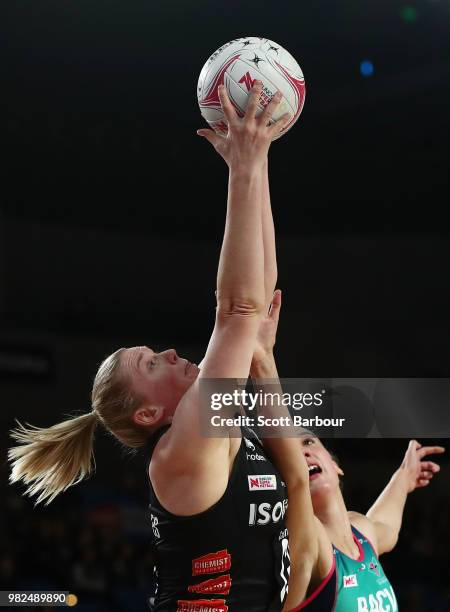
pixel 334 516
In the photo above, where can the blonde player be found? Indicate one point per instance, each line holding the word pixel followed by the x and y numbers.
pixel 210 557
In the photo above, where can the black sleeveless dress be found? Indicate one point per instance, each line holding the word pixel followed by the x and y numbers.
pixel 235 555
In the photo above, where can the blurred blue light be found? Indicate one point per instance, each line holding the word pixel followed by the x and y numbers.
pixel 367 68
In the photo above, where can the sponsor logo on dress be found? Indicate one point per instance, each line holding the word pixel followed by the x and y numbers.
pixel 264 513
pixel 220 585
pixel 255 457
pixel 284 534
pixel 285 568
pixel 350 581
pixel 252 455
pixel 249 444
pixel 373 566
pixel 154 520
pixel 262 482
pixel 381 601
pixel 212 563
pixel 202 605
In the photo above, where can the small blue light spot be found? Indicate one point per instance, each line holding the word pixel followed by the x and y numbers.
pixel 367 68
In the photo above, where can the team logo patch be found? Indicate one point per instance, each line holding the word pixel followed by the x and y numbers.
pixel 202 605
pixel 262 482
pixel 212 563
pixel 220 585
pixel 350 581
pixel 252 455
pixel 249 444
pixel 373 566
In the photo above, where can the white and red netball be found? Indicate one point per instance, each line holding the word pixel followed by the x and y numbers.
pixel 240 62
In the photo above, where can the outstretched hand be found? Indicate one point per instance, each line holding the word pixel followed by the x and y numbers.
pixel 420 472
pixel 249 137
pixel 267 332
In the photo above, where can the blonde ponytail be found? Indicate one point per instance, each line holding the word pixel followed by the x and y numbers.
pixel 50 460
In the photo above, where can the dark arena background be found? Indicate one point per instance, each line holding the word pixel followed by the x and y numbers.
pixel 112 213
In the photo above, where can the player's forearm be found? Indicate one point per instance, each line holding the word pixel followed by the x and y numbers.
pixel 265 369
pixel 240 276
pixel 270 256
pixel 285 448
pixel 303 543
pixel 388 508
pixel 289 459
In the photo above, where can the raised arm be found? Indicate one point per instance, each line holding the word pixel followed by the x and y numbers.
pixel 386 514
pixel 303 527
pixel 240 277
pixel 268 230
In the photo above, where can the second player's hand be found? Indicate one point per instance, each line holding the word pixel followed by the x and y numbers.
pixel 248 138
pixel 418 471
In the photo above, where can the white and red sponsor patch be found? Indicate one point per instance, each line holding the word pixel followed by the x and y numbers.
pixel 262 482
pixel 212 563
pixel 350 581
pixel 220 585
pixel 202 605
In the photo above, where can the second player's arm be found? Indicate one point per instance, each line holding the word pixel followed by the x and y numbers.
pixel 301 522
pixel 384 518
pixel 268 230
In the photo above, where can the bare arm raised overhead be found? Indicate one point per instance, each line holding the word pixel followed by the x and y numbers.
pixel 185 453
pixel 383 520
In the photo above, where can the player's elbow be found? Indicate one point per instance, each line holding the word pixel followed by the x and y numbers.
pixel 239 307
pixel 297 480
pixel 387 537
pixel 389 543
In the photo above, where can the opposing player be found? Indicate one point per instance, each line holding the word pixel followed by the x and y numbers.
pixel 335 553
pixel 344 570
pixel 211 556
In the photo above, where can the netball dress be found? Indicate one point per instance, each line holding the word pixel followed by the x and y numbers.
pixel 234 556
pixel 353 585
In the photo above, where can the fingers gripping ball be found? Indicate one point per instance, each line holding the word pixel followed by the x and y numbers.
pixel 236 65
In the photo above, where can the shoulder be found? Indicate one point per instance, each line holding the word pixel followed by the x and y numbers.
pixel 190 443
pixel 365 526
pixel 187 488
pixel 360 521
